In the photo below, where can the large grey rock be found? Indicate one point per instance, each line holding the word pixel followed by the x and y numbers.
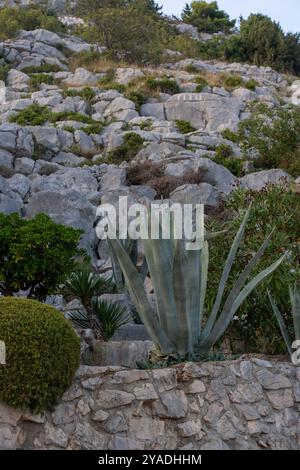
pixel 81 77
pixel 9 205
pixel 6 163
pixel 16 139
pixel 156 110
pixel 67 208
pixel 126 75
pixel 216 175
pixel 18 80
pixel 124 353
pixel 259 180
pixel 19 184
pixel 204 111
pixel 203 193
pixel 114 178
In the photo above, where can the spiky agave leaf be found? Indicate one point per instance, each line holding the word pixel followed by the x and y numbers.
pixel 138 295
pixel 295 302
pixel 282 325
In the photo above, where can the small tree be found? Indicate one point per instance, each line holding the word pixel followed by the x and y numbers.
pixel 207 17
pixel 36 255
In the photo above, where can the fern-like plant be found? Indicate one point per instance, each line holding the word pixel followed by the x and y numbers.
pixel 110 317
pixel 295 305
pixel 86 286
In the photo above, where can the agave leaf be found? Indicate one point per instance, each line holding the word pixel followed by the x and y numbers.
pixel 223 323
pixel 136 289
pixel 236 290
pixel 203 280
pixel 282 325
pixel 160 259
pixel 295 301
pixel 224 278
pixel 186 285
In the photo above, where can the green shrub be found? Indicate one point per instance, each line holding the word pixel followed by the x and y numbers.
pixel 43 68
pixel 70 116
pixel 127 30
pixel 185 127
pixel 137 97
pixel 272 136
pixel 108 83
pixel 233 81
pixel 234 165
pixel 33 115
pixel 42 354
pixel 36 115
pixel 35 254
pixel 131 146
pixel 201 83
pixel 4 69
pixel 251 84
pixel 163 85
pixel 37 79
pixel 28 18
pixel 273 208
pixel 207 17
pixel 87 93
pixel 230 135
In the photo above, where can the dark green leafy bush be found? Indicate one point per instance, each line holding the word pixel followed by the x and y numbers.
pixel 4 69
pixel 87 93
pixel 132 144
pixel 37 79
pixel 137 97
pixel 42 354
pixel 207 17
pixel 163 85
pixel 185 127
pixel 273 208
pixel 33 115
pixel 28 18
pixel 272 135
pixel 35 255
pixel 43 68
pixel 224 156
pixel 233 81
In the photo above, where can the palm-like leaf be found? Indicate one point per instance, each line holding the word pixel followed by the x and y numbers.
pixel 79 319
pixel 85 285
pixel 111 317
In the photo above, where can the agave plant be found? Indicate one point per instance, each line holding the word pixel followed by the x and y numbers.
pixel 295 304
pixel 110 317
pixel 131 247
pixel 179 279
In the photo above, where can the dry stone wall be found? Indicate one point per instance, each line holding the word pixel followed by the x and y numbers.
pixel 246 404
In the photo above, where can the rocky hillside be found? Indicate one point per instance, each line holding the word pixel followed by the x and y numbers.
pixel 71 139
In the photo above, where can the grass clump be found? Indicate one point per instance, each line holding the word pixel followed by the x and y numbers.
pixel 184 127
pixel 87 93
pixel 162 85
pixel 43 68
pixel 231 82
pixel 131 146
pixel 37 79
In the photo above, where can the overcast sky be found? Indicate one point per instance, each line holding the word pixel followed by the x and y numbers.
pixel 287 12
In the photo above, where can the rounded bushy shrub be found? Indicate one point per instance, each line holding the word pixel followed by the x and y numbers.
pixel 42 354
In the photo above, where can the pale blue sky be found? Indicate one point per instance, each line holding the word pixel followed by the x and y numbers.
pixel 287 12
